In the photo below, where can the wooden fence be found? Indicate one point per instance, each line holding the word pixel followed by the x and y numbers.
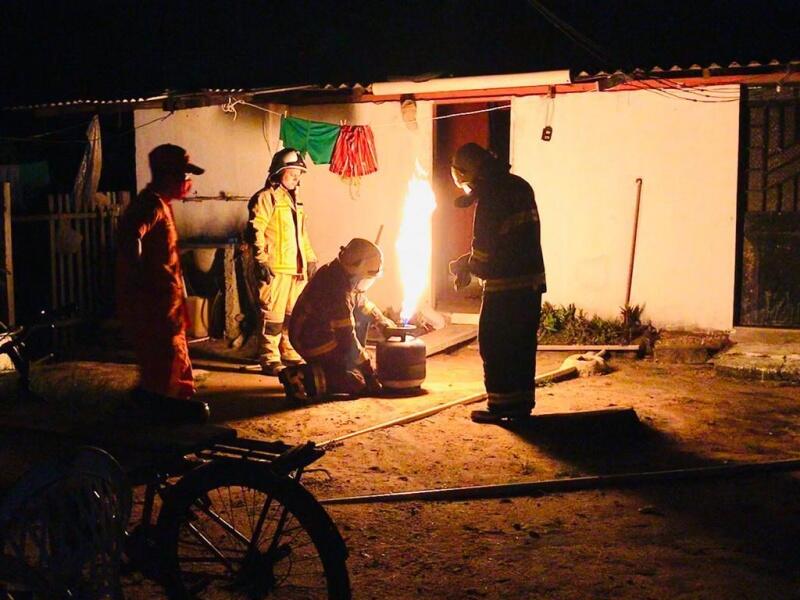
pixel 82 247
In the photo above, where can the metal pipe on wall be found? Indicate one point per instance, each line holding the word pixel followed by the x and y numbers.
pixel 633 242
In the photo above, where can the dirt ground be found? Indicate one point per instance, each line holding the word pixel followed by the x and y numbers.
pixel 734 538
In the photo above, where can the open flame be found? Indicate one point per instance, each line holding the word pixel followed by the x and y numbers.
pixel 414 242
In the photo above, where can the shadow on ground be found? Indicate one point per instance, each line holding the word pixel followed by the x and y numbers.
pixel 756 515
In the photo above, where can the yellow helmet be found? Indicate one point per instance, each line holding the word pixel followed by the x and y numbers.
pixel 361 259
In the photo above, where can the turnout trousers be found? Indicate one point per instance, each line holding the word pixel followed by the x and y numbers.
pixel 277 299
pixel 507 329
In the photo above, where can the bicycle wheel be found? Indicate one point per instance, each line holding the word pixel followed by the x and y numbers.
pixel 237 530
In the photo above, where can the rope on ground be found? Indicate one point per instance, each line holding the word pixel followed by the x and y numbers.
pixel 565 371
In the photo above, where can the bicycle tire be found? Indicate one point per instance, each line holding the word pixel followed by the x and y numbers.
pixel 227 490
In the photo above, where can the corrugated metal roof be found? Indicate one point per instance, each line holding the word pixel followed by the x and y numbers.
pixel 293 93
pixel 695 70
pixel 88 102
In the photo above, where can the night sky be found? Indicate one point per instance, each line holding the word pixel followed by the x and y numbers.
pixel 68 50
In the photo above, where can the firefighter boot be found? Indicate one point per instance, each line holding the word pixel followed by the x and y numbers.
pixel 303 383
pixel 513 406
pixel 372 386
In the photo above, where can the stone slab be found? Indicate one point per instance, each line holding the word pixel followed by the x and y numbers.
pixel 761 361
pixel 743 366
pixel 693 355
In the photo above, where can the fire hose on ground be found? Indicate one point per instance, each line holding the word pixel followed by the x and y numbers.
pixel 562 372
pixel 552 486
pixel 574 484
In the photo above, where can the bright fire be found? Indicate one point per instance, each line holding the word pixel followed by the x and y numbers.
pixel 414 242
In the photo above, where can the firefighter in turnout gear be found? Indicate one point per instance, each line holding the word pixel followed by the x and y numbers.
pixel 329 326
pixel 282 254
pixel 507 255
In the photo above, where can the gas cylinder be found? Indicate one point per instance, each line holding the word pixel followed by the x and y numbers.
pixel 400 360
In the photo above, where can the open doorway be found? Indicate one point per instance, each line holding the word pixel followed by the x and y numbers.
pixel 452 226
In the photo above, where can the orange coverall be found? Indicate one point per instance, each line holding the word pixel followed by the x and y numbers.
pixel 150 296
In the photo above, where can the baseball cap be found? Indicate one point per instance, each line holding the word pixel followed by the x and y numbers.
pixel 169 158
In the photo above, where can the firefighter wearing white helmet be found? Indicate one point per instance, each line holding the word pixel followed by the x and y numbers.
pixel 328 323
pixel 282 255
pixel 507 255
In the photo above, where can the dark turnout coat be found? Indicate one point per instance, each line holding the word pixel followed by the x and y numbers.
pixel 506 247
pixel 323 327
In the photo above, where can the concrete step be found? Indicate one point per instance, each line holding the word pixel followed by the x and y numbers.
pixel 765 335
pixel 760 361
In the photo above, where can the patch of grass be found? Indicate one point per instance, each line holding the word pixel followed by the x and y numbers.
pixel 571 325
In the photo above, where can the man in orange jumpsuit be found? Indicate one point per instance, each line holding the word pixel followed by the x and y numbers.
pixel 150 288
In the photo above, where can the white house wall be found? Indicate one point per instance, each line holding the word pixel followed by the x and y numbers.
pixel 236 154
pixel 584 179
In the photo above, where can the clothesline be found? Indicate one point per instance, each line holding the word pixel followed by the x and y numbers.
pixel 230 107
pixel 348 149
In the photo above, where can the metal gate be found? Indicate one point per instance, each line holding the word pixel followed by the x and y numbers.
pixel 768 279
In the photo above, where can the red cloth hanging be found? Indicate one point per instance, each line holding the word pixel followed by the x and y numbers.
pixel 354 154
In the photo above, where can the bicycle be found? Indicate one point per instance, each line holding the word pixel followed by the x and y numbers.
pixel 234 519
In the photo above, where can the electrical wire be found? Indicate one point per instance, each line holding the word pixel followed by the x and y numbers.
pixel 68 127
pixel 568 30
pixel 647 87
pixel 111 136
pixel 228 107
pixel 699 91
pixel 472 112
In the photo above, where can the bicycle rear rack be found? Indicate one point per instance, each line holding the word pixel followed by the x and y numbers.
pixel 281 457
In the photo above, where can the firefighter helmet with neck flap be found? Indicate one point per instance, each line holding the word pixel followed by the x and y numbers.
pixel 288 158
pixel 362 261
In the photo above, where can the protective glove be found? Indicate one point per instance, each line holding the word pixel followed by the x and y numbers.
pixel 460 268
pixel 463 279
pixel 383 324
pixel 265 273
pixel 311 270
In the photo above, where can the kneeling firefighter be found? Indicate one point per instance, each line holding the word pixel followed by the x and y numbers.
pixel 329 327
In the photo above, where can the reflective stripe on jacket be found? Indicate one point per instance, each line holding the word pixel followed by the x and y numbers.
pixel 322 325
pixel 272 232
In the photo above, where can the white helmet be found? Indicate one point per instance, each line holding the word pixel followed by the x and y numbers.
pixel 288 158
pixel 361 259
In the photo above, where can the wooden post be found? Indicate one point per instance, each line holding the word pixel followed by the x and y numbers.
pixel 65 222
pixel 104 279
pixel 91 259
pixel 8 253
pixel 78 227
pixel 62 288
pixel 51 205
pixel 232 307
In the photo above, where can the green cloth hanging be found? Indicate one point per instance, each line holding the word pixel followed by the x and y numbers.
pixel 312 137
